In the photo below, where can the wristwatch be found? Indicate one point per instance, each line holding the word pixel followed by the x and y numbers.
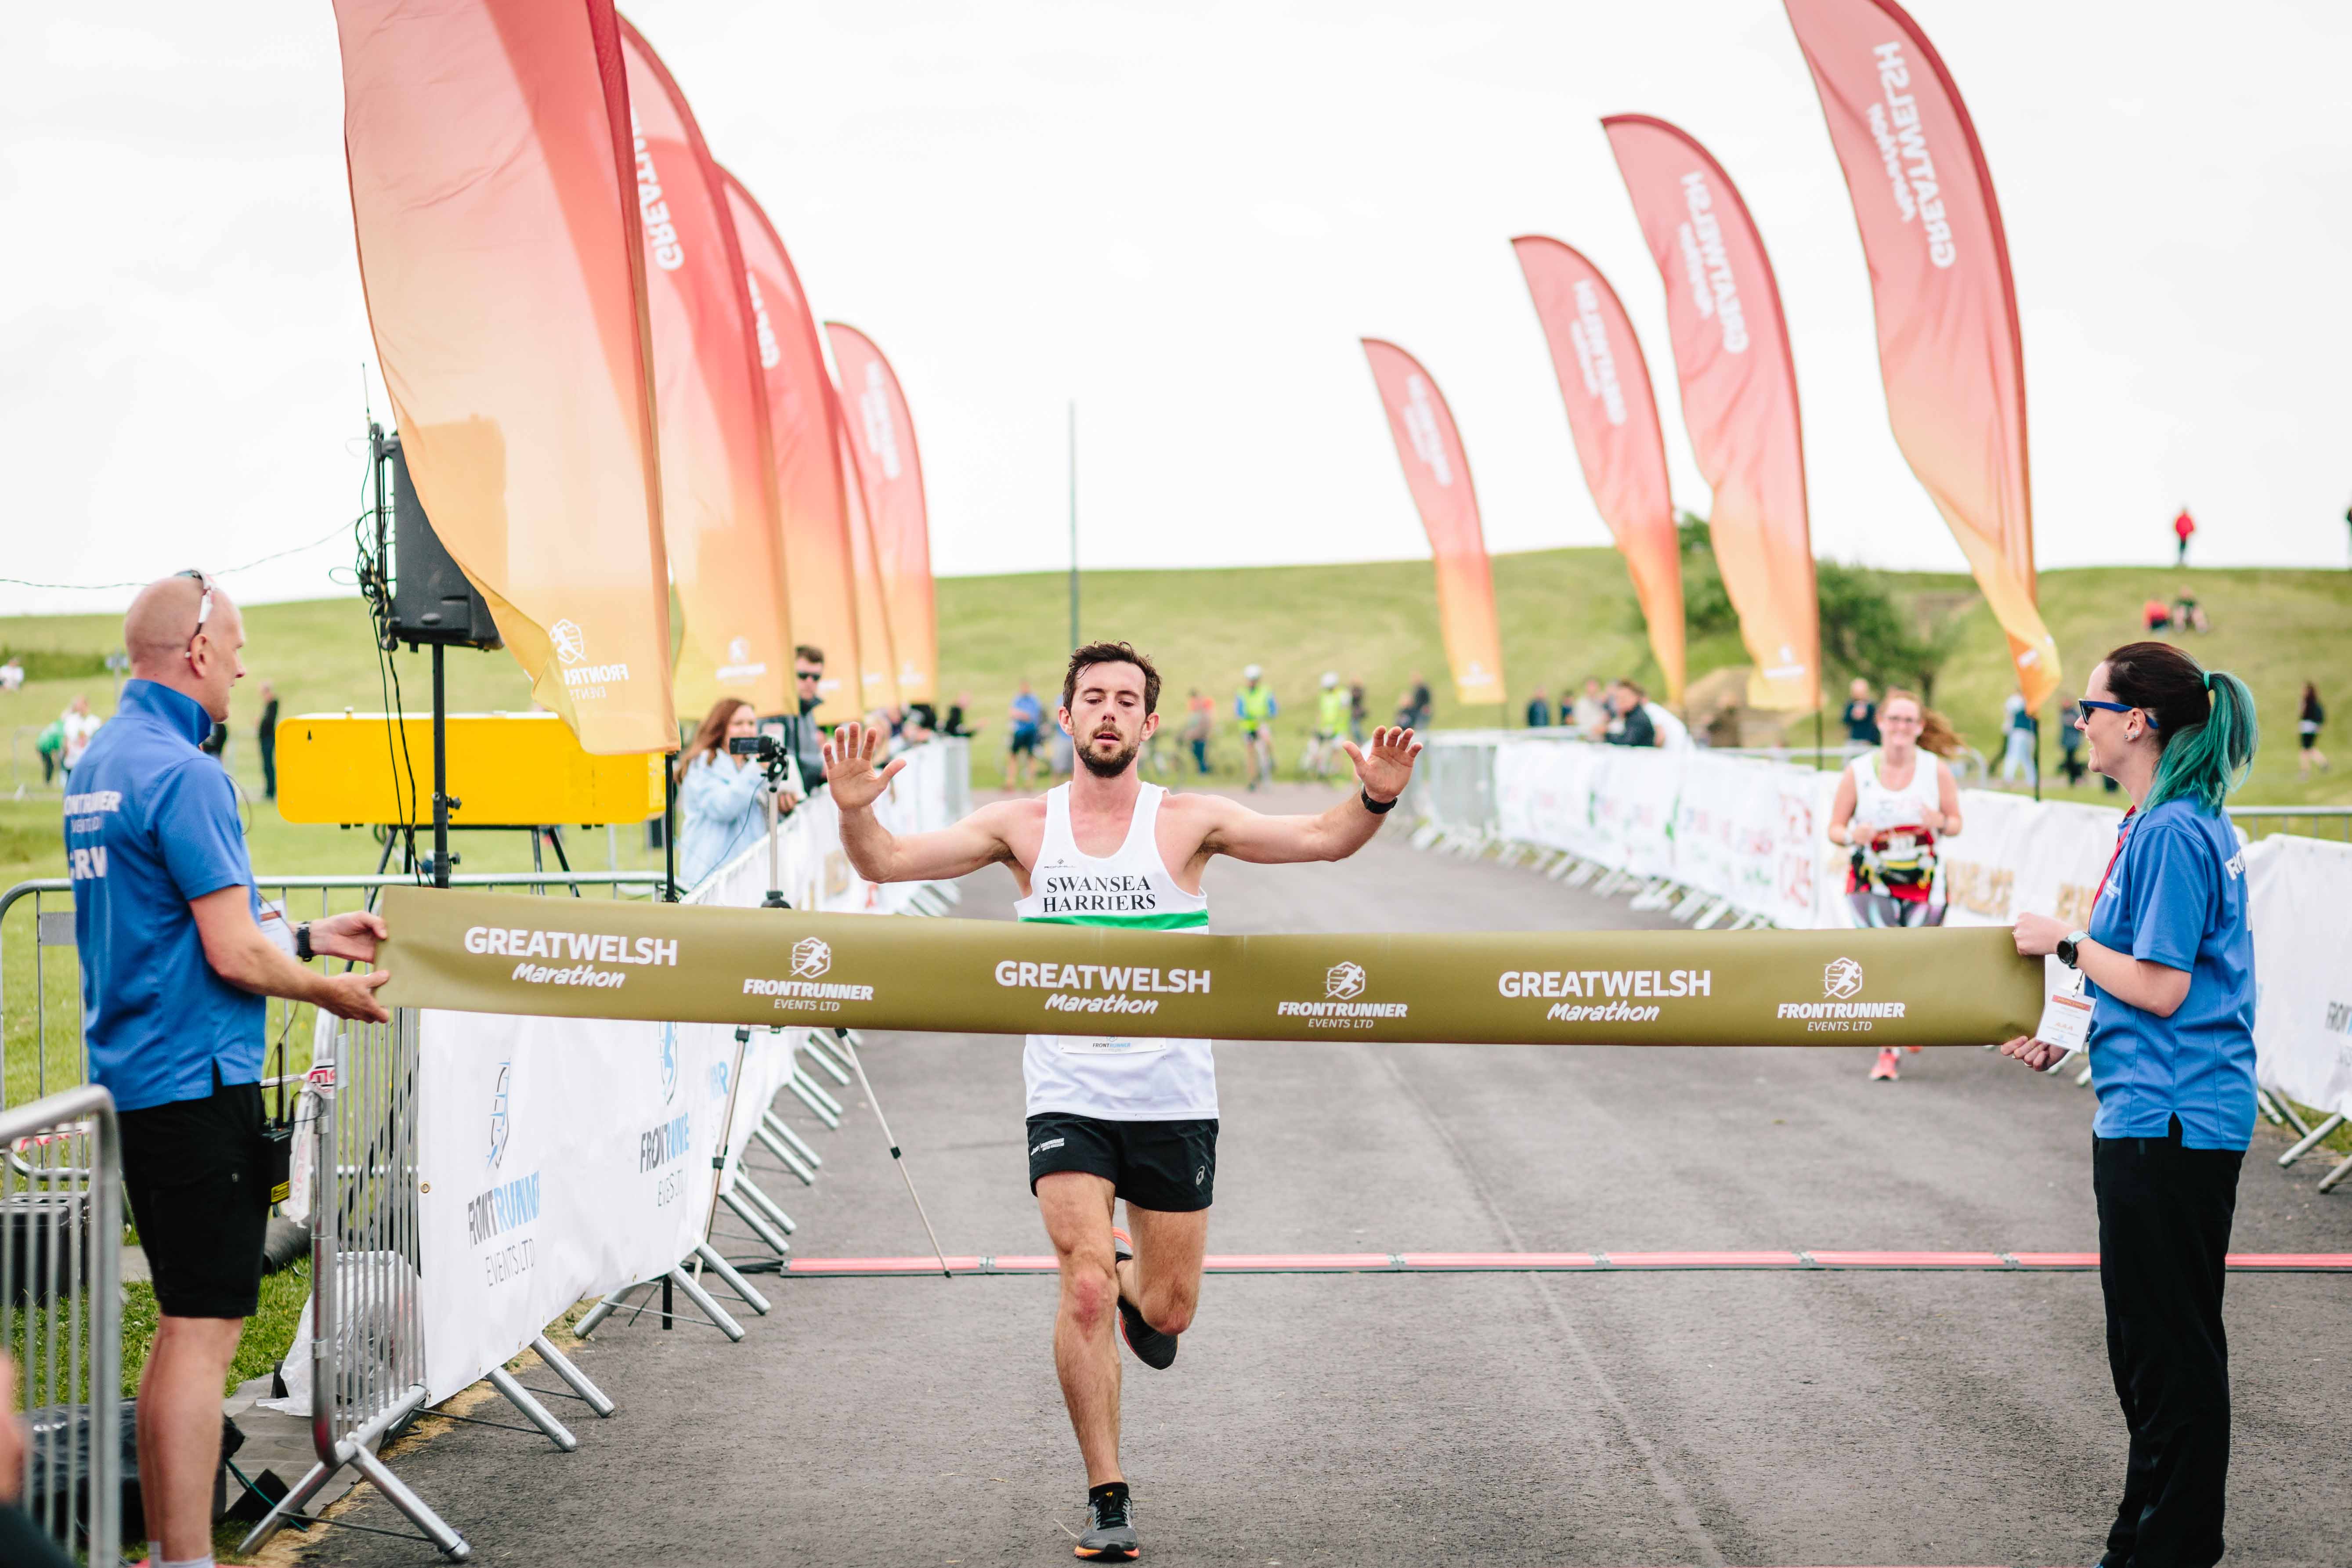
pixel 1377 807
pixel 2070 946
pixel 302 943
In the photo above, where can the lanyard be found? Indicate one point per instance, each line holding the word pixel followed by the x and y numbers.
pixel 2123 835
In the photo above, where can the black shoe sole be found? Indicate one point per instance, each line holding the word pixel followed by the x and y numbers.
pixel 1152 1347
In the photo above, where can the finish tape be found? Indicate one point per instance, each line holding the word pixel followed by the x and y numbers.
pixel 592 958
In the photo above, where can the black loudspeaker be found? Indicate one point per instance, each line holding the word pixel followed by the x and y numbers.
pixel 432 602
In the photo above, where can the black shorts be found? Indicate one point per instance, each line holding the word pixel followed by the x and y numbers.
pixel 1024 742
pixel 192 1172
pixel 1169 1167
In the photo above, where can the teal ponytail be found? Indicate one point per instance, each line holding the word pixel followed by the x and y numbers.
pixel 2204 762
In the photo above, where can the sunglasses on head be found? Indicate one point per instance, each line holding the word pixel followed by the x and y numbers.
pixel 204 606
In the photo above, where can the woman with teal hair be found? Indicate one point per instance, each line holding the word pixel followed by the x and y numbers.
pixel 2168 965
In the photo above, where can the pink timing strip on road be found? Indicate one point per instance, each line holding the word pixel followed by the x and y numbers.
pixel 1582 1263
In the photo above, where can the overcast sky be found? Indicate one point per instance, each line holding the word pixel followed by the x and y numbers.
pixel 1185 216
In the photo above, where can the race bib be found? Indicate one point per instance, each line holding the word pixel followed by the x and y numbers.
pixel 1086 1046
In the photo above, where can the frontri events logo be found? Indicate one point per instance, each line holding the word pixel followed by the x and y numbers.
pixel 811 958
pixel 571 646
pixel 1842 979
pixel 808 989
pixel 1343 984
pixel 740 665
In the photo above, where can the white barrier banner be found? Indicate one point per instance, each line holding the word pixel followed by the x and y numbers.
pixel 2303 930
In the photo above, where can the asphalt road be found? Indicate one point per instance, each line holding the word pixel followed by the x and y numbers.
pixel 1710 1417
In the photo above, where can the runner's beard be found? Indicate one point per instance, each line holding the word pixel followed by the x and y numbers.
pixel 1109 767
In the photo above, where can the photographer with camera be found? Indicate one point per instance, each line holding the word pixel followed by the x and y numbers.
pixel 175 962
pixel 723 779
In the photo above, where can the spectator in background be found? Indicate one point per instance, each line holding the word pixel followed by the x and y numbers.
pixel 175 970
pixel 2017 760
pixel 1254 706
pixel 1199 723
pixel 12 674
pixel 50 741
pixel 80 729
pixel 2308 721
pixel 1671 732
pixel 2155 614
pixel 265 735
pixel 1423 702
pixel 1331 726
pixel 2070 744
pixel 1633 726
pixel 215 745
pixel 807 737
pixel 2182 527
pixel 2187 614
pixel 1539 710
pixel 918 723
pixel 959 725
pixel 1861 715
pixel 1027 717
pixel 1591 711
pixel 1357 711
pixel 721 797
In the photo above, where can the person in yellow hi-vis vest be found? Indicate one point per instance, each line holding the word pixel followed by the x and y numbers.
pixel 1254 706
pixel 1331 726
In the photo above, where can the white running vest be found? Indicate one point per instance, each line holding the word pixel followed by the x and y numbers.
pixel 1875 805
pixel 1107 1077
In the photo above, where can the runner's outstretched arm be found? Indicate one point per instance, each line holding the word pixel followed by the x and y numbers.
pixel 882 856
pixel 1382 769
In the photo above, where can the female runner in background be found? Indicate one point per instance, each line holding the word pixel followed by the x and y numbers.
pixel 1891 805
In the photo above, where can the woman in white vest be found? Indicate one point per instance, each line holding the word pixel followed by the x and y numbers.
pixel 1892 806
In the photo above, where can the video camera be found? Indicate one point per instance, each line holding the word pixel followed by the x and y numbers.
pixel 775 758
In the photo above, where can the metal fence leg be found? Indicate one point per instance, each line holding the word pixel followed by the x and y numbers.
pixel 2337 1174
pixel 766 1205
pixel 710 1308
pixel 592 1396
pixel 809 1157
pixel 806 1093
pixel 757 1223
pixel 783 1152
pixel 2311 1140
pixel 819 1053
pixel 734 1278
pixel 522 1399
pixel 453 1545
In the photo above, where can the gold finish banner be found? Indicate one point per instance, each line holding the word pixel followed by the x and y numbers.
pixel 584 958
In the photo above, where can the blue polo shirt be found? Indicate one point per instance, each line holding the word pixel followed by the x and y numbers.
pixel 2177 896
pixel 151 823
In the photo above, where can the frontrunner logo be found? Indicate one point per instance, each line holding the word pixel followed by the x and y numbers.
pixel 1343 984
pixel 811 958
pixel 740 665
pixel 571 643
pixel 571 646
pixel 808 989
pixel 585 949
pixel 1604 996
pixel 1842 978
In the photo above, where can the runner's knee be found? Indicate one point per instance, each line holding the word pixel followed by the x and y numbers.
pixel 1090 1292
pixel 1170 1305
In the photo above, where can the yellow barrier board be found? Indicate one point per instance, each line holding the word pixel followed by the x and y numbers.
pixel 507 770
pixel 581 958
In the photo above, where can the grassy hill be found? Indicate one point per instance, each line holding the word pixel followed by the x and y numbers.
pixel 1566 614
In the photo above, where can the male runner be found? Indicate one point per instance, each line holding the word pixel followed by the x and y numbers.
pixel 1113 1119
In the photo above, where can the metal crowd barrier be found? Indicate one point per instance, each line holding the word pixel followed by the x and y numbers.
pixel 367 1337
pixel 2314 821
pixel 61 1311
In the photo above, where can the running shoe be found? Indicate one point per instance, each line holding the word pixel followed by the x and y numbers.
pixel 1884 1070
pixel 1110 1529
pixel 1152 1347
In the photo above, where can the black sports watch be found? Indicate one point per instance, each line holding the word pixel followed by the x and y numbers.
pixel 2070 948
pixel 302 943
pixel 1377 807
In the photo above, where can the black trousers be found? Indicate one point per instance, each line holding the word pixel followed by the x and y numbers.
pixel 270 764
pixel 2164 1230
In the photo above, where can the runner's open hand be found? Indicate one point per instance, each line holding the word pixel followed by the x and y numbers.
pixel 1384 769
pixel 849 753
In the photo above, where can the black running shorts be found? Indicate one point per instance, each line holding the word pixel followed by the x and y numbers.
pixel 191 1170
pixel 1169 1167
